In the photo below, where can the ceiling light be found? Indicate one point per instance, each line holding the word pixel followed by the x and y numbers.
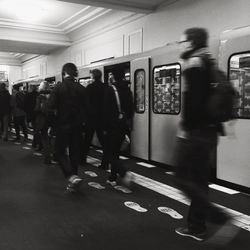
pixel 27 10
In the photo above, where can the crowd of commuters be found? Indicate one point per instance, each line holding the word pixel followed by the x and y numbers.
pixel 65 119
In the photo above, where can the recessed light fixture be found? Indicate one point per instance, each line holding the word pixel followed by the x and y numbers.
pixel 26 10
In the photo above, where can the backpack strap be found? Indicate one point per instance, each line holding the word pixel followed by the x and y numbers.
pixel 118 102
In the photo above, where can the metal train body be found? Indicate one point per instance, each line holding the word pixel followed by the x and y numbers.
pixel 157 74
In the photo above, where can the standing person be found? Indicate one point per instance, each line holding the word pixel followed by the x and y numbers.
pixel 94 110
pixel 18 103
pixel 31 114
pixel 118 114
pixel 42 122
pixel 197 137
pixel 4 110
pixel 68 100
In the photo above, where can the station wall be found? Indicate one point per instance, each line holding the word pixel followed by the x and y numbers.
pixel 126 33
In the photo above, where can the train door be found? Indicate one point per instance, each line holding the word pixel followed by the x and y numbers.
pixel 233 154
pixel 165 104
pixel 140 87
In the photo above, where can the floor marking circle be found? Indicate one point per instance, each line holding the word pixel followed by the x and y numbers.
pixel 174 214
pixel 123 189
pixel 90 173
pixel 135 206
pixel 29 144
pixel 96 185
pixel 27 148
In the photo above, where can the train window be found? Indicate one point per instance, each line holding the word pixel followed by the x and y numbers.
pixel 239 74
pixel 167 89
pixel 140 91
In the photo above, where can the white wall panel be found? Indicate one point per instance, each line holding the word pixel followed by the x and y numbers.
pixel 135 42
pixel 163 26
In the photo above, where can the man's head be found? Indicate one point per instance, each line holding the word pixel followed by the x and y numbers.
pixel 194 38
pixel 69 70
pixel 118 74
pixel 96 75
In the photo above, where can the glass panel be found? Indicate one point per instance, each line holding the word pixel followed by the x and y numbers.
pixel 140 91
pixel 167 89
pixel 239 74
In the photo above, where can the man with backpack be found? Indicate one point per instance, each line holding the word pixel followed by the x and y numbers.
pixel 197 137
pixel 68 101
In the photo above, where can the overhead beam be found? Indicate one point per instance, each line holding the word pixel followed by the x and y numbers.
pixel 122 5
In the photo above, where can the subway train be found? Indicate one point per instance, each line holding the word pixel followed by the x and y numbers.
pixel 156 83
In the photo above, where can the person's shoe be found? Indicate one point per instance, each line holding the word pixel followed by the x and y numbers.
pixel 70 188
pixel 75 181
pixel 183 231
pixel 111 183
pixel 127 179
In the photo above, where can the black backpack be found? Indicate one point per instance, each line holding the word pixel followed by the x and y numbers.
pixel 221 98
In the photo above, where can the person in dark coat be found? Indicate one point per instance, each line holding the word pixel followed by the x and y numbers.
pixel 30 111
pixel 68 101
pixel 94 111
pixel 42 122
pixel 4 110
pixel 197 138
pixel 117 124
pixel 18 112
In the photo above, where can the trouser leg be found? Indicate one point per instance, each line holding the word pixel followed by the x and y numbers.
pixel 114 141
pixel 102 140
pixel 62 142
pixel 46 145
pixel 89 133
pixel 24 127
pixel 17 127
pixel 74 152
pixel 5 126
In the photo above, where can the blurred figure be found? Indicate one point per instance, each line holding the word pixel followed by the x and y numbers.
pixel 42 121
pixel 118 114
pixel 197 138
pixel 18 104
pixel 31 114
pixel 94 110
pixel 4 110
pixel 68 100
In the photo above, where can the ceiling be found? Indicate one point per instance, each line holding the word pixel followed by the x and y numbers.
pixel 41 26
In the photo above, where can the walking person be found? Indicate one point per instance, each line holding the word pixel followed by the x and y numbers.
pixel 197 138
pixel 118 114
pixel 4 110
pixel 94 112
pixel 68 101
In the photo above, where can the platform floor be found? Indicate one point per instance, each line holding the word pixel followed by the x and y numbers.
pixel 36 214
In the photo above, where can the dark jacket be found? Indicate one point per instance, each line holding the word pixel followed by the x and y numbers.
pixel 31 103
pixel 94 103
pixel 68 100
pixel 42 117
pixel 4 102
pixel 196 72
pixel 111 113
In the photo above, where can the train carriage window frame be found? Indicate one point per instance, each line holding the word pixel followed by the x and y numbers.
pixel 176 66
pixel 240 107
pixel 137 110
